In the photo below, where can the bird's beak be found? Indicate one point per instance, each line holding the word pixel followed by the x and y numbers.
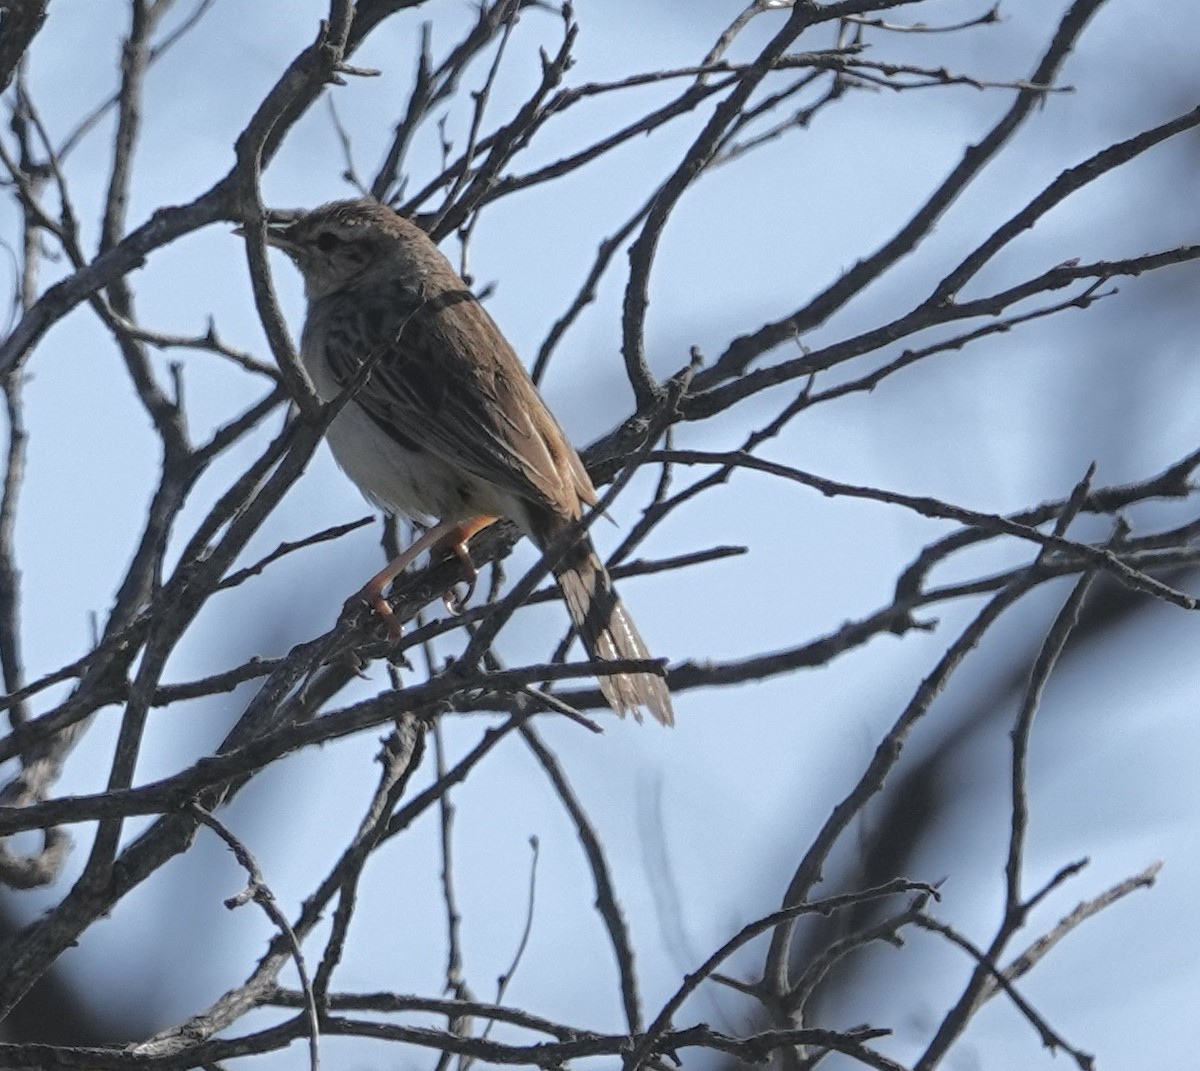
pixel 276 234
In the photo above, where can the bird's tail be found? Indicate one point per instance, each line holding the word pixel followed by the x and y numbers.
pixel 608 633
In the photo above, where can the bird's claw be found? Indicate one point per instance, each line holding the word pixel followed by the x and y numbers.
pixel 454 603
pixel 373 599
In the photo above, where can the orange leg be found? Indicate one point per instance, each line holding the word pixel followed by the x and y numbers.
pixel 455 541
pixel 451 535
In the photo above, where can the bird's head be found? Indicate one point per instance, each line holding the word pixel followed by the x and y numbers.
pixel 341 245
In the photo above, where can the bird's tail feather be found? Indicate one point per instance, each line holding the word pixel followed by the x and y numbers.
pixel 608 633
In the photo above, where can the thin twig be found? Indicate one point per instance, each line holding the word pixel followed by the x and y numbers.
pixel 606 897
pixel 260 892
pixel 1051 1039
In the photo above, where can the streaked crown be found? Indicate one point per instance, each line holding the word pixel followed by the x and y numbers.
pixel 341 244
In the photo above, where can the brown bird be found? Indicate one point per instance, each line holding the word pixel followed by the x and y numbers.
pixel 443 421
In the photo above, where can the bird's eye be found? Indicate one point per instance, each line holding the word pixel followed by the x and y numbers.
pixel 327 241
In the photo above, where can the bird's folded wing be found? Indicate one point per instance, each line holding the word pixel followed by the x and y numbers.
pixel 443 377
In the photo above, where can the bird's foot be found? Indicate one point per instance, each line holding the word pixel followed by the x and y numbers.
pixel 454 602
pixel 372 597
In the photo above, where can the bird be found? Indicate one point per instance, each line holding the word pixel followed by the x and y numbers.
pixel 441 423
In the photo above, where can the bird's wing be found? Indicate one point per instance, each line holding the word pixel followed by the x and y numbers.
pixel 443 378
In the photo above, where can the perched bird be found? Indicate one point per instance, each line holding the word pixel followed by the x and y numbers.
pixel 443 422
